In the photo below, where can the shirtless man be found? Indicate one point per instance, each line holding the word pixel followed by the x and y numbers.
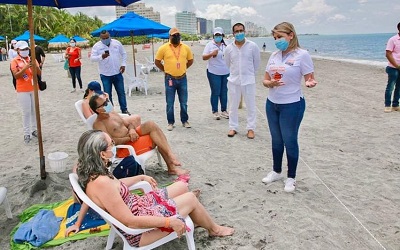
pixel 131 132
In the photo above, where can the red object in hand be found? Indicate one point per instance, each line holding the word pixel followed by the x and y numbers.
pixel 277 76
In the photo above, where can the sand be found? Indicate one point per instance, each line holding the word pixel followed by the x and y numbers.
pixel 348 187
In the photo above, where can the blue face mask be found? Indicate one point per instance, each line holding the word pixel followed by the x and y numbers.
pixel 108 108
pixel 282 44
pixel 114 151
pixel 239 37
pixel 106 41
pixel 218 39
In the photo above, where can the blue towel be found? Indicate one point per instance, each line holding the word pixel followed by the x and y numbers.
pixel 40 229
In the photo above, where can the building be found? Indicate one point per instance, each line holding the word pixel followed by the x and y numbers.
pixel 210 26
pixel 140 9
pixel 186 22
pixel 225 24
pixel 201 26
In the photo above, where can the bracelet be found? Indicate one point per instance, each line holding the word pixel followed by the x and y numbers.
pixel 166 222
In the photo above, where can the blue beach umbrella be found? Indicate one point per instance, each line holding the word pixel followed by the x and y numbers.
pixel 26 36
pixel 132 24
pixel 79 39
pixel 60 38
pixel 161 36
pixel 2 38
pixel 61 4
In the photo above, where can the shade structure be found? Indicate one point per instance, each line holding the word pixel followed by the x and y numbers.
pixel 60 38
pixel 26 37
pixel 161 36
pixel 58 4
pixel 132 24
pixel 2 38
pixel 79 39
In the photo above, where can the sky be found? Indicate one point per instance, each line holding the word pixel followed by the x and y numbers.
pixel 308 16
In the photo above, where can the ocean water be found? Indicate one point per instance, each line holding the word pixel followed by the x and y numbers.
pixel 357 48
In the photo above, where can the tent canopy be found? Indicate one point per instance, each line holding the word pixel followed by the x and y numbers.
pixel 60 38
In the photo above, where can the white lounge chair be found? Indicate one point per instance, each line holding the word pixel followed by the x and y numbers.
pixel 114 223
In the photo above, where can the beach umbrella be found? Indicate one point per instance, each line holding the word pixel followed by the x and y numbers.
pixel 2 38
pixel 58 4
pixel 161 36
pixel 60 38
pixel 132 24
pixel 26 36
pixel 79 39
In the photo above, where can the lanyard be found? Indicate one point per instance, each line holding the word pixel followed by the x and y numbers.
pixel 173 50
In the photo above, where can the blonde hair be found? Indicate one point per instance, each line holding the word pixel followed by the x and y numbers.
pixel 286 27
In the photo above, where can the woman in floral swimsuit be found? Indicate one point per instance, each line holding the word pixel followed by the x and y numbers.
pixel 156 209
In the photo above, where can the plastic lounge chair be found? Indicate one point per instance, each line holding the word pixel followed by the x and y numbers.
pixel 139 81
pixel 89 121
pixel 141 159
pixel 4 200
pixel 114 223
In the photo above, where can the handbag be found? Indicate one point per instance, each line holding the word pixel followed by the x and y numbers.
pixel 42 84
pixel 66 64
pixel 127 167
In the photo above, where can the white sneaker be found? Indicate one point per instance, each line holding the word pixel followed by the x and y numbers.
pixel 170 127
pixel 73 90
pixel 272 176
pixel 290 185
pixel 216 116
pixel 225 115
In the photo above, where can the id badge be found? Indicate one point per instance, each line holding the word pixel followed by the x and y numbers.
pixel 170 82
pixel 178 65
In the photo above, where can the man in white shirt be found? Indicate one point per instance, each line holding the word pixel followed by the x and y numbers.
pixel 111 56
pixel 243 59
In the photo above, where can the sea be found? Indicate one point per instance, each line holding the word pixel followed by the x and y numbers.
pixel 357 48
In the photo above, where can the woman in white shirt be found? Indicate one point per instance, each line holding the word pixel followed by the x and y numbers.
pixel 217 73
pixel 285 104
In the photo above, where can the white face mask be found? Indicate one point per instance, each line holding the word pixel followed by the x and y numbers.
pixel 72 44
pixel 24 53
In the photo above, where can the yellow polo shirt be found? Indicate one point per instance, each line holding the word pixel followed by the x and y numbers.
pixel 175 58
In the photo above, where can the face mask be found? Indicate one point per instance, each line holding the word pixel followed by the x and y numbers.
pixel 281 44
pixel 108 108
pixel 176 39
pixel 106 41
pixel 239 37
pixel 24 53
pixel 72 44
pixel 218 39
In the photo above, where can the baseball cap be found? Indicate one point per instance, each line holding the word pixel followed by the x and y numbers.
pixel 21 45
pixel 218 30
pixel 96 87
pixel 173 31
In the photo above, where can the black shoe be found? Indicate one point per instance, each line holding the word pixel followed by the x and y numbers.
pixel 126 112
pixel 35 134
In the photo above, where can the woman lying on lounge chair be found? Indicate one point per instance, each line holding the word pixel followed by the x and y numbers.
pixel 162 208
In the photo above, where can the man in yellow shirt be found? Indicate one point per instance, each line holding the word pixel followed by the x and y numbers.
pixel 177 58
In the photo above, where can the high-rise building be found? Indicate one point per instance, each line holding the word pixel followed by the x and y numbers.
pixel 210 26
pixel 186 22
pixel 225 24
pixel 201 26
pixel 140 9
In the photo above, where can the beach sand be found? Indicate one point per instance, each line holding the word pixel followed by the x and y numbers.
pixel 348 175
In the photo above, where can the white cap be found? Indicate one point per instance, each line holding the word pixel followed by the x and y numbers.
pixel 21 45
pixel 218 30
pixel 13 41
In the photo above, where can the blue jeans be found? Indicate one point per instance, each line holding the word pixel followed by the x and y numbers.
pixel 284 123
pixel 219 91
pixel 179 86
pixel 118 82
pixel 393 82
pixel 76 74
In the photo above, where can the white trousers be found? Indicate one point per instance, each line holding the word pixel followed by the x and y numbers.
pixel 27 103
pixel 249 94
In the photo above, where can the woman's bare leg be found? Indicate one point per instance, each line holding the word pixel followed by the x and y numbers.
pixel 188 204
pixel 176 189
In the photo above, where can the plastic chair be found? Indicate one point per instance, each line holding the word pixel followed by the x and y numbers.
pixel 4 200
pixel 151 65
pixel 141 159
pixel 114 223
pixel 139 81
pixel 89 121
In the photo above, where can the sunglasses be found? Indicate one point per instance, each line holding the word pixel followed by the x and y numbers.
pixel 104 104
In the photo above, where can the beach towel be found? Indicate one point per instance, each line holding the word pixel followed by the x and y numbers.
pixel 67 210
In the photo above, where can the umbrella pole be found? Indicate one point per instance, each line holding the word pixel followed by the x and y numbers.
pixel 133 50
pixel 152 46
pixel 35 91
